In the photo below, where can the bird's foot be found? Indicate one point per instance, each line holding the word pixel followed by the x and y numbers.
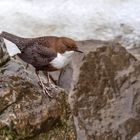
pixel 46 90
pixel 53 86
pixel 40 84
pixel 50 85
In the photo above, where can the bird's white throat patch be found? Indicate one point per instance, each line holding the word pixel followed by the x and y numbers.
pixel 62 59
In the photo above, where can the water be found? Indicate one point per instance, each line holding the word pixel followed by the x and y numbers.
pixel 78 19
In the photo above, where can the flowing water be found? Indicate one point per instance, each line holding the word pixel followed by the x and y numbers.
pixel 79 19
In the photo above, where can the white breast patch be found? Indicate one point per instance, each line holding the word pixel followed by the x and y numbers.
pixel 62 59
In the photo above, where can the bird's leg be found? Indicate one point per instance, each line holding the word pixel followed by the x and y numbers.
pixel 45 89
pixel 49 81
pixel 53 80
pixel 27 65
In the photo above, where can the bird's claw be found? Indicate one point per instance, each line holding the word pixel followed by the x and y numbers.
pixel 45 91
pixel 42 84
pixel 50 85
pixel 53 86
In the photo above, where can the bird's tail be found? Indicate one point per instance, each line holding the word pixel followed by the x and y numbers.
pixel 19 41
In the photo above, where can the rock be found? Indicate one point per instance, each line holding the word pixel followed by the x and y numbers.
pixel 104 94
pixel 135 51
pixel 103 90
pixel 136 137
pixel 67 75
pixel 65 79
pixel 4 56
pixel 25 113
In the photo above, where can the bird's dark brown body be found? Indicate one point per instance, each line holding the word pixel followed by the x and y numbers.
pixel 41 50
pixel 34 56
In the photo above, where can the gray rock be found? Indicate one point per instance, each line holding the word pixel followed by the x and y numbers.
pixel 4 56
pixel 104 94
pixel 136 137
pixel 68 76
pixel 25 113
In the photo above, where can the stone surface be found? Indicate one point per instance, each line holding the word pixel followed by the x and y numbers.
pixel 25 113
pixel 135 51
pixel 104 90
pixel 4 56
pixel 68 76
pixel 104 94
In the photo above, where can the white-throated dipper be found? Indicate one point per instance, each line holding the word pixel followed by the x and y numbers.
pixel 47 53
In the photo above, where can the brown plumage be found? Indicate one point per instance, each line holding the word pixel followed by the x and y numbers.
pixel 41 51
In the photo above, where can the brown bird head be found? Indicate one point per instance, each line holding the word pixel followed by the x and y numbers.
pixel 69 45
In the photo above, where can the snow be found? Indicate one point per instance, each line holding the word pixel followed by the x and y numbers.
pixel 78 19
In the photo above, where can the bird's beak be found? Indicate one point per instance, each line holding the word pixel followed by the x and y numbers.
pixel 79 51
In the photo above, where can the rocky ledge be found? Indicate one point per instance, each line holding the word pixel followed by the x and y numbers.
pixel 25 113
pixel 102 88
pixel 104 91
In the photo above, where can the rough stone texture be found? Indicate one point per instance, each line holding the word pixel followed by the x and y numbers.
pixel 135 51
pixel 69 75
pixel 104 94
pixel 4 56
pixel 27 114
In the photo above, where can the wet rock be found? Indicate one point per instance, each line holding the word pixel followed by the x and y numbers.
pixel 104 94
pixel 4 56
pixel 25 113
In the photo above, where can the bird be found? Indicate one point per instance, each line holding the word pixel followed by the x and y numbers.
pixel 45 53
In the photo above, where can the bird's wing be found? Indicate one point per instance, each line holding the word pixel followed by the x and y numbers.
pixel 42 55
pixel 44 52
